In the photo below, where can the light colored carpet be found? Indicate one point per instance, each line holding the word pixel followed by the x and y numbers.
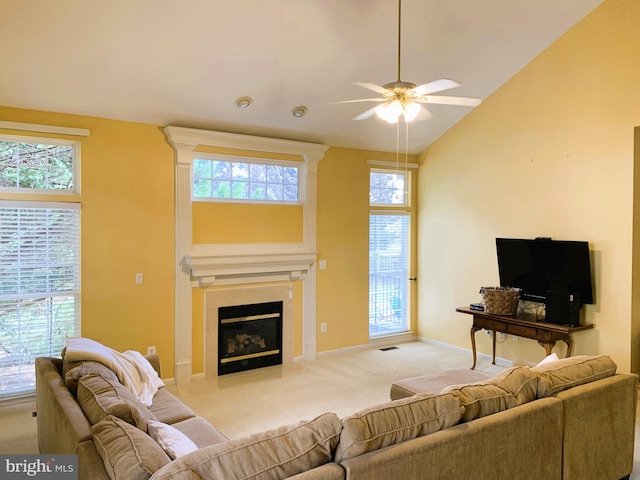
pixel 256 400
pixel 243 403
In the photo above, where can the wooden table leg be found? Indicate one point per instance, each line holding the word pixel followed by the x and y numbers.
pixel 569 341
pixel 548 346
pixel 473 345
pixel 494 347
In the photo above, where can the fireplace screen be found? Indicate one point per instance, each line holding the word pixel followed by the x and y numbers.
pixel 249 336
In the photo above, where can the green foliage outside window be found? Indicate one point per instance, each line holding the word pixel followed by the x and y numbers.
pixel 36 166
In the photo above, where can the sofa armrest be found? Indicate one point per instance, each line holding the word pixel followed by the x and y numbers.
pixel 90 463
pixel 599 428
pixel 61 422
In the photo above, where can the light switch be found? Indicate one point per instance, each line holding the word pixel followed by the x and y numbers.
pixel 322 265
pixel 139 279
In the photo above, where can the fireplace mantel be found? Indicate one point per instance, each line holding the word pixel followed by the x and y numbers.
pixel 206 265
pixel 250 263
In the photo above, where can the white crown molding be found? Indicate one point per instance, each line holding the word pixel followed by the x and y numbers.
pixel 191 136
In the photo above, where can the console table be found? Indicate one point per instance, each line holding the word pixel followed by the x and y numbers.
pixel 522 325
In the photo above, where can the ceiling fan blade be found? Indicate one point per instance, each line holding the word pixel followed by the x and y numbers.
pixel 446 100
pixel 435 86
pixel 367 114
pixel 361 100
pixel 373 87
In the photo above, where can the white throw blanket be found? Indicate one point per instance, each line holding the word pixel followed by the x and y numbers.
pixel 132 369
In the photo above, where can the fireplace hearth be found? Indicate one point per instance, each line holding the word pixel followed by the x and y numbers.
pixel 249 336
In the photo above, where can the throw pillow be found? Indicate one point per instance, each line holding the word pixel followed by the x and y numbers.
pixel 99 397
pixel 396 421
pixel 74 371
pixel 127 452
pixel 515 386
pixel 271 455
pixel 172 441
pixel 554 377
pixel 549 358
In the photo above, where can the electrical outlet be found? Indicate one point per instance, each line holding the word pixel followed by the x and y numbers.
pixel 322 265
pixel 502 336
pixel 139 279
pixel 514 338
pixel 488 333
pixel 151 350
pixel 323 328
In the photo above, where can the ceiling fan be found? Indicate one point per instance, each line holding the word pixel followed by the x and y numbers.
pixel 405 98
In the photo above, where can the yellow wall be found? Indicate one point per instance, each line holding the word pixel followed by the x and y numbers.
pixel 127 196
pixel 548 154
pixel 246 223
pixel 343 241
pixel 127 228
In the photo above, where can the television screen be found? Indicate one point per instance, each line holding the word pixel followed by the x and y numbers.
pixel 541 265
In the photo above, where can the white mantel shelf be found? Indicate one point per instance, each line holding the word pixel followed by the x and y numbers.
pixel 224 267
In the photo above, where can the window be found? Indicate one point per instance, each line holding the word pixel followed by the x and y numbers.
pixel 39 257
pixel 37 165
pixel 388 273
pixel 388 252
pixel 388 188
pixel 246 180
pixel 39 287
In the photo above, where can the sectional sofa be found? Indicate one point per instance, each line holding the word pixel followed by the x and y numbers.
pixel 573 419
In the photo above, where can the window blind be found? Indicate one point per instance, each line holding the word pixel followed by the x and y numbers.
pixel 388 272
pixel 39 287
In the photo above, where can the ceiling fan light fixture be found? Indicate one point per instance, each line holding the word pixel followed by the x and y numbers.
pixel 411 110
pixel 390 111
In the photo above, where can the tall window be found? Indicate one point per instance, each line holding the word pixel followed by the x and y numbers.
pixel 246 180
pixel 388 253
pixel 39 258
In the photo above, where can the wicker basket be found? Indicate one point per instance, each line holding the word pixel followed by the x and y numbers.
pixel 500 300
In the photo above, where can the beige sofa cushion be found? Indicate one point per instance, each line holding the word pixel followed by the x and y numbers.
pixel 515 386
pixel 167 408
pixel 554 377
pixel 270 455
pixel 396 421
pixel 99 397
pixel 127 452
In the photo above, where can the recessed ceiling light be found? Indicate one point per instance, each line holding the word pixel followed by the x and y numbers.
pixel 243 102
pixel 299 112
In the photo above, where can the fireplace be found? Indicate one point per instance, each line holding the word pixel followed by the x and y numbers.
pixel 225 305
pixel 249 336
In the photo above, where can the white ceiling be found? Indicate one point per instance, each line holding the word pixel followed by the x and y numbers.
pixel 171 62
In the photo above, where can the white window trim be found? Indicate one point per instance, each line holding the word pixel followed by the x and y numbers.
pixel 74 144
pixel 302 178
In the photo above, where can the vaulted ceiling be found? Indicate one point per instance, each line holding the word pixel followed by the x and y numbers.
pixel 185 63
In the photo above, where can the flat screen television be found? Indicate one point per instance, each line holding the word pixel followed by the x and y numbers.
pixel 542 267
